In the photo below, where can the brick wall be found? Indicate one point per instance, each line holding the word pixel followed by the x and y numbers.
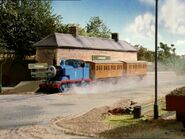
pixel 47 54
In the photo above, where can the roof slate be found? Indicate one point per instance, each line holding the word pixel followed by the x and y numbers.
pixel 69 41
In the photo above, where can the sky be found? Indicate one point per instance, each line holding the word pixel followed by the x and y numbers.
pixel 134 20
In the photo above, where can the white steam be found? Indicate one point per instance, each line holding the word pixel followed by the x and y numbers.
pixel 124 83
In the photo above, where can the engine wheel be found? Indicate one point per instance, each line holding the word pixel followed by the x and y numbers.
pixel 62 88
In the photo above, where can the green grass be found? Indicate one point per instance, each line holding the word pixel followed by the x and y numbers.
pixel 126 120
pixel 122 120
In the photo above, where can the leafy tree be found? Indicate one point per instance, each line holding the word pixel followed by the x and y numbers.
pixel 144 54
pixel 168 57
pixel 96 28
pixel 164 52
pixel 24 22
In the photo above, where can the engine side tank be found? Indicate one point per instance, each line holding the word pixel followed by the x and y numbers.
pixel 74 69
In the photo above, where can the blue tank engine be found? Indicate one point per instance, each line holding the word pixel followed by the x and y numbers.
pixel 62 77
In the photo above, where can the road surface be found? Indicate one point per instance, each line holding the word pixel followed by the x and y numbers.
pixel 20 111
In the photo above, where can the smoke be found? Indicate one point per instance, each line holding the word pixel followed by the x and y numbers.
pixel 176 64
pixel 106 85
pixel 125 84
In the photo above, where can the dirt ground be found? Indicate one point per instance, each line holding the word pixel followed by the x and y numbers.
pixel 99 123
pixel 29 116
pixel 35 132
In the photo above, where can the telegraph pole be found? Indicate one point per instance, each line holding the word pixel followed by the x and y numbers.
pixel 156 113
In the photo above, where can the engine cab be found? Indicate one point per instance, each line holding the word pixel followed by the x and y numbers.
pixel 74 70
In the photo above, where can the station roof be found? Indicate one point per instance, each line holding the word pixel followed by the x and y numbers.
pixel 82 42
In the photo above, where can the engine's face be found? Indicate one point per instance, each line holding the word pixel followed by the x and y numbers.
pixel 52 71
pixel 55 73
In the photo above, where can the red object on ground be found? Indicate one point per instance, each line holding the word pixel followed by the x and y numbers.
pixel 175 103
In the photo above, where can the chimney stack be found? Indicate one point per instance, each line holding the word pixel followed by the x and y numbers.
pixel 73 31
pixel 115 37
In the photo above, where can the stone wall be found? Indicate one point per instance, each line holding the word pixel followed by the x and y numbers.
pixel 47 54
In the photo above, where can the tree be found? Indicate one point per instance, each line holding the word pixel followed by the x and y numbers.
pixel 144 54
pixel 164 52
pixel 24 22
pixel 96 28
pixel 167 56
